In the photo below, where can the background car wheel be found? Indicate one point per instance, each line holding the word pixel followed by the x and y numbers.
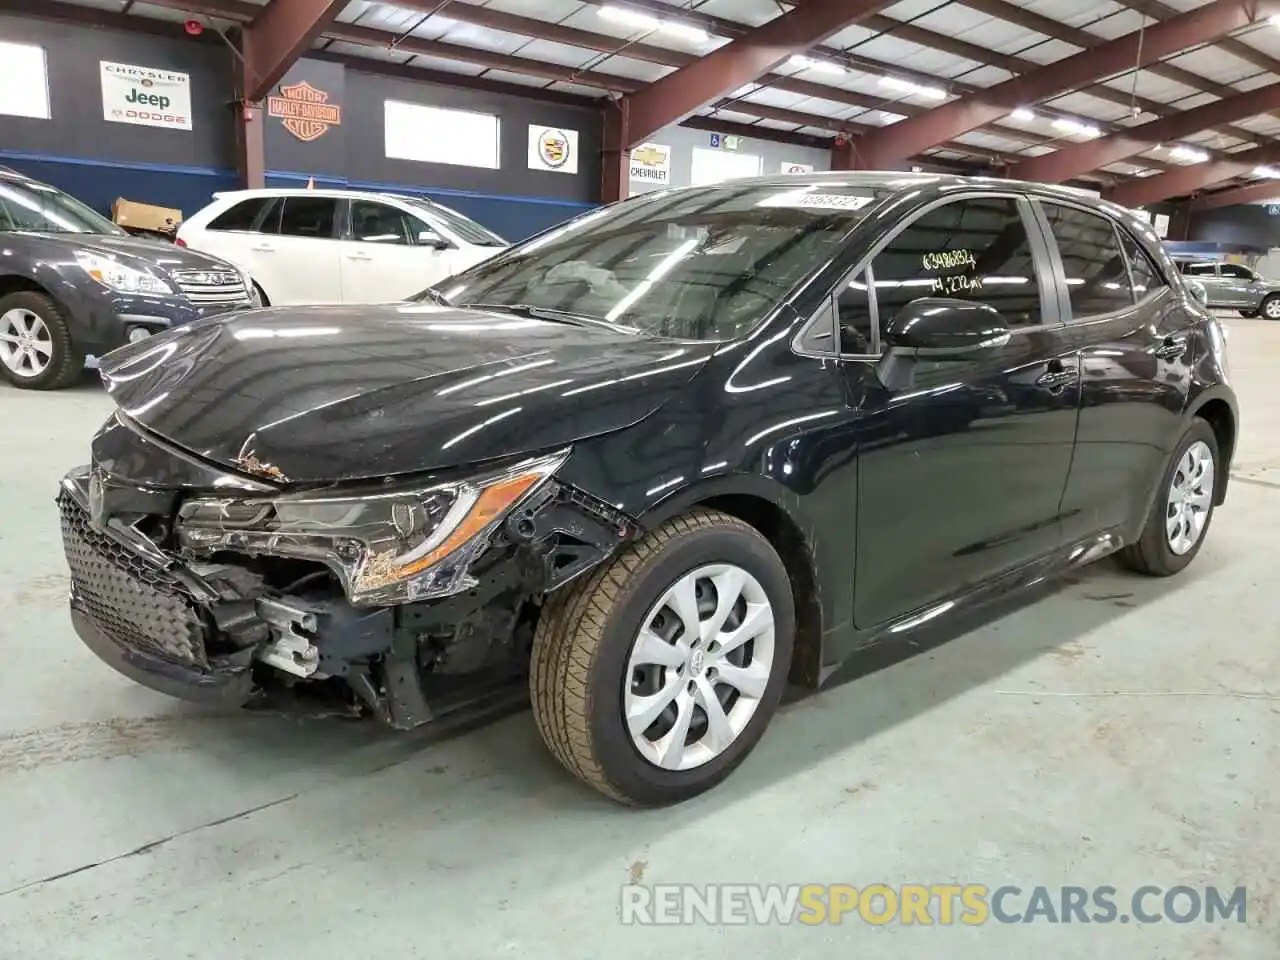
pixel 1271 307
pixel 36 352
pixel 1179 518
pixel 1248 314
pixel 655 677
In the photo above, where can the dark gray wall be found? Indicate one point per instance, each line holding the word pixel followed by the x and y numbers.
pixel 363 120
pixel 77 128
pixel 1249 224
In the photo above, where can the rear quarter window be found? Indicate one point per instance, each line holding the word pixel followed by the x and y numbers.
pixel 243 215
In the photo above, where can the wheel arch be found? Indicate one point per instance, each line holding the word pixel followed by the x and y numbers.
pixel 1220 414
pixel 17 283
pixel 761 503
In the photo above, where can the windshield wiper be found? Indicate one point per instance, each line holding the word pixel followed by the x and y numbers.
pixel 435 296
pixel 549 313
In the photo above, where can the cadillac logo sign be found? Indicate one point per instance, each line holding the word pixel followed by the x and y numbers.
pixel 305 111
pixel 554 147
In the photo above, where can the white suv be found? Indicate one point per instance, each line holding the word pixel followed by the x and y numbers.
pixel 337 246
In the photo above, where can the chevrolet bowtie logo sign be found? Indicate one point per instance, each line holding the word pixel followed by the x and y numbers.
pixel 305 111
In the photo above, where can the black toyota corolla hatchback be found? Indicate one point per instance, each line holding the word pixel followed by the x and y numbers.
pixel 660 460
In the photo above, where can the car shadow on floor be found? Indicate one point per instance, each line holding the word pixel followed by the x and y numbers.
pixel 880 688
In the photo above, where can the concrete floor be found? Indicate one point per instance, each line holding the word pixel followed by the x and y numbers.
pixel 1118 731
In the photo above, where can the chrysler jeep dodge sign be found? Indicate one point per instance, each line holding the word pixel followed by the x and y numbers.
pixel 146 97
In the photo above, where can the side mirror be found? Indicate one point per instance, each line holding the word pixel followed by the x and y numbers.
pixel 1198 291
pixel 943 329
pixel 429 238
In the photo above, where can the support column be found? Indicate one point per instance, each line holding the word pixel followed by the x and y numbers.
pixel 842 157
pixel 251 152
pixel 615 159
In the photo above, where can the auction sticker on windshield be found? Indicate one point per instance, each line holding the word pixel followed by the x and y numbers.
pixel 817 201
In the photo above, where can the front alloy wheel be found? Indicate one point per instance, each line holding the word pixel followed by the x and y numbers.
pixel 1271 307
pixel 654 677
pixel 36 350
pixel 26 348
pixel 699 667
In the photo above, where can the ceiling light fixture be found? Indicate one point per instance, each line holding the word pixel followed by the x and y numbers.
pixel 920 90
pixel 811 63
pixel 1271 173
pixel 643 21
pixel 1075 126
pixel 1023 114
pixel 1190 154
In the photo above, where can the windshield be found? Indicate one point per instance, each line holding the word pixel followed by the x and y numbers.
pixel 460 226
pixel 36 208
pixel 705 264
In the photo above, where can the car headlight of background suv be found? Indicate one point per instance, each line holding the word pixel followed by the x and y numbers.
pixel 387 545
pixel 111 273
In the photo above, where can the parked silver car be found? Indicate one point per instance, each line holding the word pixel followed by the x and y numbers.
pixel 1235 286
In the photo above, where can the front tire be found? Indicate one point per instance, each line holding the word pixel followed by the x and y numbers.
pixel 653 678
pixel 1179 519
pixel 36 349
pixel 1270 308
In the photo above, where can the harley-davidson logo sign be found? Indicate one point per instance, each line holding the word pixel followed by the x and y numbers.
pixel 305 111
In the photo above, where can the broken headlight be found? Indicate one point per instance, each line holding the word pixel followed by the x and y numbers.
pixel 388 546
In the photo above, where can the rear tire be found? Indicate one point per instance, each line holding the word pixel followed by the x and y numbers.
pixel 617 645
pixel 1184 500
pixel 1248 314
pixel 36 349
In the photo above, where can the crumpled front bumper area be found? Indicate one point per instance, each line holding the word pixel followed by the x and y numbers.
pixel 138 616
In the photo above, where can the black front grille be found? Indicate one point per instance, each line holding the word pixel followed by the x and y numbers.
pixel 131 600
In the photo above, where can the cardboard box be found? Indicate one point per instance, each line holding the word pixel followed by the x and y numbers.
pixel 133 215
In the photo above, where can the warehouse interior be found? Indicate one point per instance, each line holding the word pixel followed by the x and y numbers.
pixel 1103 730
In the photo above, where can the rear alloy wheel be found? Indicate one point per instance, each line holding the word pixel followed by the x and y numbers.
pixel 1271 307
pixel 656 676
pixel 36 352
pixel 1179 519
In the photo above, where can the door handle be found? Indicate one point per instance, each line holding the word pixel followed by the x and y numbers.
pixel 265 248
pixel 358 256
pixel 1173 348
pixel 1057 376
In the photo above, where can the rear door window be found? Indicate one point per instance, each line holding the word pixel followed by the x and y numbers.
pixel 312 217
pixel 1096 271
pixel 1146 276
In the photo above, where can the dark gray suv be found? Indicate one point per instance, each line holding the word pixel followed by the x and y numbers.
pixel 73 284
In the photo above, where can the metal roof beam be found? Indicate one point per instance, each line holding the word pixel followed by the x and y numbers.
pixel 739 62
pixel 1253 193
pixel 1140 48
pixel 281 33
pixel 1194 177
pixel 1078 158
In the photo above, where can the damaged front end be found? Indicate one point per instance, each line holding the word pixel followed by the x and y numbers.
pixel 400 599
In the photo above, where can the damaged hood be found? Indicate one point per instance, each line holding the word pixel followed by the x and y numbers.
pixel 323 394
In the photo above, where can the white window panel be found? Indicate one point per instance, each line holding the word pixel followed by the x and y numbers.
pixel 751 12
pixel 632 69
pixel 523 79
pixel 414 131
pixel 550 10
pixel 848 37
pixel 775 125
pixel 713 166
pixel 733 116
pixel 989 141
pixel 1214 64
pixel 1152 86
pixel 577 89
pixel 772 97
pixel 482 38
pixel 1036 150
pixel 446 66
pixel 1119 23
pixel 911 56
pixel 25 92
pixel 1088 107
pixel 828 108
pixel 985 76
pixel 548 51
pixel 910 9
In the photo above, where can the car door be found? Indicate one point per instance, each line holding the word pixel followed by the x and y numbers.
pixel 233 233
pixel 388 254
pixel 1240 287
pixel 1132 333
pixel 963 462
pixel 295 256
